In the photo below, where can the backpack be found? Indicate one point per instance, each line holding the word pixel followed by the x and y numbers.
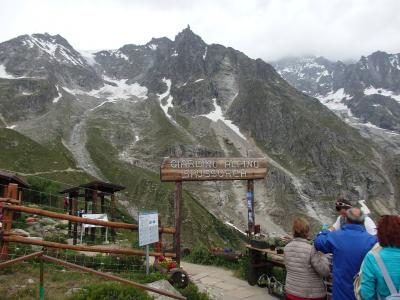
pixel 357 278
pixel 394 294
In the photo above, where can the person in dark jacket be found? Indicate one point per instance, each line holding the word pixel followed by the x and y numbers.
pixel 348 246
pixel 304 265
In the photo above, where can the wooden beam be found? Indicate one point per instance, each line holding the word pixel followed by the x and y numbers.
pixel 19 259
pixel 112 277
pixel 50 214
pixel 24 240
pixel 10 200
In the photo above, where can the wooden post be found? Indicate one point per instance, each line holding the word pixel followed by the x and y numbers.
pixel 103 229
pixel 113 217
pixel 70 212
pixel 74 201
pixel 94 210
pixel 250 206
pixel 12 192
pixel 178 221
pixel 5 191
pixel 87 198
pixel 158 245
pixel 41 284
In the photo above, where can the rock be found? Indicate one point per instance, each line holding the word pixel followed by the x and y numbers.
pixel 21 232
pixel 35 247
pixel 49 228
pixel 72 291
pixel 48 221
pixel 162 285
pixel 31 281
pixel 37 227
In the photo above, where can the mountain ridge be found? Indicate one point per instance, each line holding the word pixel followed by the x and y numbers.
pixel 185 97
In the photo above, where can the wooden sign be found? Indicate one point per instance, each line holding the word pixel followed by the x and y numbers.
pixel 203 169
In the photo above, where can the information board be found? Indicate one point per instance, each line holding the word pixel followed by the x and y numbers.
pixel 148 228
pixel 202 169
pixel 101 217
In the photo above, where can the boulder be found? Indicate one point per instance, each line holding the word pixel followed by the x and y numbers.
pixel 162 285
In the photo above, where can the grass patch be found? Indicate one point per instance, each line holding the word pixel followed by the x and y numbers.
pixel 20 153
pixel 110 291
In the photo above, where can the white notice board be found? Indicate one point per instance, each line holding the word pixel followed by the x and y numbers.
pixel 100 217
pixel 148 228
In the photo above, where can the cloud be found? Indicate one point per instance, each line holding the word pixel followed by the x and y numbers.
pixel 337 29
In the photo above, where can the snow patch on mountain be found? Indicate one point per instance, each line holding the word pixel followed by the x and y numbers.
pixel 395 61
pixel 217 114
pixel 205 54
pixel 335 100
pixel 153 46
pixel 54 50
pixel 89 56
pixel 121 91
pixel 175 53
pixel 165 107
pixel 56 99
pixel 322 74
pixel 119 54
pixel 126 154
pixel 4 74
pixel 235 227
pixel 372 91
pixel 198 80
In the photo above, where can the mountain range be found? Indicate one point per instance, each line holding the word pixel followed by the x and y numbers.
pixel 114 114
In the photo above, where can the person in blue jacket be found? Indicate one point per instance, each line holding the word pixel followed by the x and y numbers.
pixel 372 282
pixel 348 246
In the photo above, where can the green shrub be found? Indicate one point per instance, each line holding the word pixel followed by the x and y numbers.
pixel 61 226
pixel 56 238
pixel 192 292
pixel 201 255
pixel 243 268
pixel 110 291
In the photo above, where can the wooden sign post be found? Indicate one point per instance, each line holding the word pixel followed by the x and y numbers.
pixel 211 169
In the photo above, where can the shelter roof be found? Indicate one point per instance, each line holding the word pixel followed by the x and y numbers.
pixel 102 186
pixel 7 177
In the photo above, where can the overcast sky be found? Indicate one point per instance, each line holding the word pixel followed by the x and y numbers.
pixel 269 29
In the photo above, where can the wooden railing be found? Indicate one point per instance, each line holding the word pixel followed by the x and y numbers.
pixel 11 202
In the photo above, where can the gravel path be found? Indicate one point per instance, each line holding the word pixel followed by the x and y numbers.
pixel 221 284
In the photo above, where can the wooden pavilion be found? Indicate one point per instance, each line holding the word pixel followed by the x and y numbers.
pixel 6 178
pixel 92 192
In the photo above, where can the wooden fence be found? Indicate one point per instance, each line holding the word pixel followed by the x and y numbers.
pixel 11 203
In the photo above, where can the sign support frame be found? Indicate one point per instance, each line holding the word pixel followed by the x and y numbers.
pixel 211 169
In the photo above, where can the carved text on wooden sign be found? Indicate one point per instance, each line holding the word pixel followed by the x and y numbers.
pixel 202 169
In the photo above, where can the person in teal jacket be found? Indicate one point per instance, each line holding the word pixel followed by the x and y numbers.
pixel 372 281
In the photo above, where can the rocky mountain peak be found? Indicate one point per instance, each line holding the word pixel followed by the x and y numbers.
pixel 368 89
pixel 156 43
pixel 188 38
